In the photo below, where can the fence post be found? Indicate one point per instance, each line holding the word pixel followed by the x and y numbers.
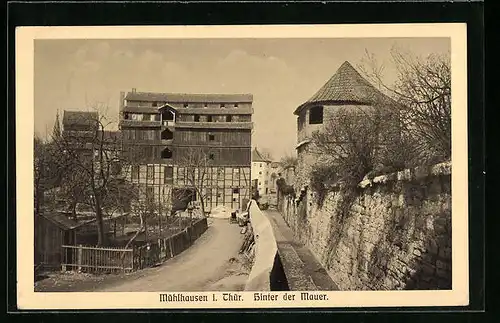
pixel 79 257
pixel 65 258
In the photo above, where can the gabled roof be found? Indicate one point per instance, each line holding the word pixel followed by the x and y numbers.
pixel 189 98
pixel 347 85
pixel 62 221
pixel 83 118
pixel 257 157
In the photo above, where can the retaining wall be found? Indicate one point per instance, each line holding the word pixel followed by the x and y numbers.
pixel 396 233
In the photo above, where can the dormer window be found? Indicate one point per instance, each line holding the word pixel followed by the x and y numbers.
pixel 316 115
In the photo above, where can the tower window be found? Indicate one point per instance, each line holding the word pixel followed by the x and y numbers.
pixel 316 115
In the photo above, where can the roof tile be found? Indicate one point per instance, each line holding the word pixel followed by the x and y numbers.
pixel 347 85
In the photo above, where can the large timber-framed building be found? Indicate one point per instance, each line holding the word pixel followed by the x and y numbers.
pixel 160 130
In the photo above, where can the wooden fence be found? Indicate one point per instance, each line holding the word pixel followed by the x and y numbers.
pixel 105 260
pixel 155 253
pixel 96 259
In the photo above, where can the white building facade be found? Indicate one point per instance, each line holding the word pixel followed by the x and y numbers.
pixel 261 173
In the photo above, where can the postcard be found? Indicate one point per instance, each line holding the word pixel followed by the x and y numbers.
pixel 240 167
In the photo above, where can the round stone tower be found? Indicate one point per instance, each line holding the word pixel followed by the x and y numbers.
pixel 346 89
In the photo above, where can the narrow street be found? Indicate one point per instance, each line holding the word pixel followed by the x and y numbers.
pixel 211 263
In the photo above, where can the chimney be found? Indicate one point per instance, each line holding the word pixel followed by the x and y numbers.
pixel 134 90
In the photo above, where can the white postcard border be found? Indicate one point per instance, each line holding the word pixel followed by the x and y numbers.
pixel 28 299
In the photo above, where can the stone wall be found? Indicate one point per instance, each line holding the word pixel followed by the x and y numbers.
pixel 395 232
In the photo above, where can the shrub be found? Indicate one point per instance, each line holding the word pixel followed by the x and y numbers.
pixel 321 179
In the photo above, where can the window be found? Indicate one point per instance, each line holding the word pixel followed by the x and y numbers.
pixel 167 115
pixel 222 106
pixel 260 164
pixel 168 174
pixel 125 116
pixel 151 172
pixel 260 183
pixel 155 104
pixel 135 172
pixel 236 105
pixel 186 105
pixel 209 118
pixel 236 191
pixel 116 168
pixel 205 106
pixel 167 135
pixel 196 118
pixel 316 115
pixel 166 153
pixel 211 137
pixel 260 173
pixel 211 156
pixel 137 117
pixel 149 192
pixel 229 118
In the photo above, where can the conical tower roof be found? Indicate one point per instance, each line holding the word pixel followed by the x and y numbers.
pixel 347 85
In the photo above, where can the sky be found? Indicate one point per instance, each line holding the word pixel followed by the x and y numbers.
pixel 280 73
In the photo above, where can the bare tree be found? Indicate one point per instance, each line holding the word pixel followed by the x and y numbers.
pixel 423 88
pixel 348 144
pixel 265 153
pixel 288 161
pixel 40 172
pixel 197 165
pixel 91 162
